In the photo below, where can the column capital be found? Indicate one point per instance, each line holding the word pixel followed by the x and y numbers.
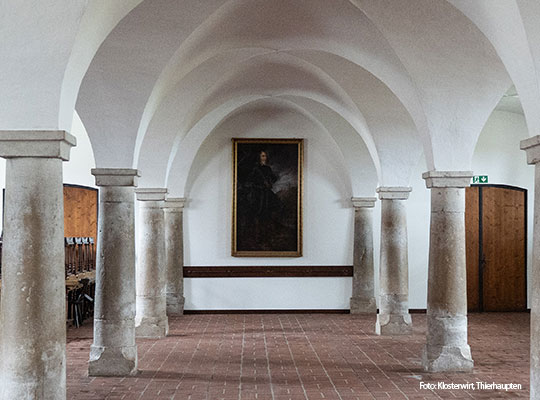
pixel 151 194
pixel 363 202
pixel 36 144
pixel 174 203
pixel 115 176
pixel 532 147
pixel 447 179
pixel 393 192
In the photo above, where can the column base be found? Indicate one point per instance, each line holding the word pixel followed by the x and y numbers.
pixel 393 324
pixel 363 306
pixel 447 358
pixel 112 361
pixel 151 328
pixel 175 304
pixel 446 348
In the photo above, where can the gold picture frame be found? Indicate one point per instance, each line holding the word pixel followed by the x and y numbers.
pixel 268 186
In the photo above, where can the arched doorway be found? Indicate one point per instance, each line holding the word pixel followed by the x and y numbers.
pixel 496 234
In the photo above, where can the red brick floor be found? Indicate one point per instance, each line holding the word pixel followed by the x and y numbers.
pixel 304 356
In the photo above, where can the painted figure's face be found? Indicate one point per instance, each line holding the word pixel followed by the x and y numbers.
pixel 263 158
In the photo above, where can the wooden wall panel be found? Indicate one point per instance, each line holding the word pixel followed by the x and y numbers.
pixel 472 222
pixel 80 211
pixel 504 240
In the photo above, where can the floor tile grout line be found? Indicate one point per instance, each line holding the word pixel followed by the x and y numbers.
pixel 242 358
pixel 381 370
pixel 147 351
pixel 176 344
pixel 292 358
pixel 193 353
pixel 319 359
pixel 216 358
pixel 267 359
pixel 369 358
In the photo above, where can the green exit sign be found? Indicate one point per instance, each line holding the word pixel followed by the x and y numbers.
pixel 480 179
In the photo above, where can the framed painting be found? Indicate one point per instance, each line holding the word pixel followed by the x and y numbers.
pixel 267 197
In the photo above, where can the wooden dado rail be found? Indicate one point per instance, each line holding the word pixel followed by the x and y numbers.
pixel 80 270
pixel 265 271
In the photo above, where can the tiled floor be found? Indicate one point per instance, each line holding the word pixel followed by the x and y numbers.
pixel 304 356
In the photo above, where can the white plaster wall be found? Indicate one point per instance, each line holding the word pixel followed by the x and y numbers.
pixel 497 154
pixel 267 293
pixel 81 160
pixel 327 220
pixel 418 214
pixel 326 187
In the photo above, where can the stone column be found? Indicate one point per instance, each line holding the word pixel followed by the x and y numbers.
pixel 151 317
pixel 174 255
pixel 394 317
pixel 446 345
pixel 114 352
pixel 363 297
pixel 532 147
pixel 32 315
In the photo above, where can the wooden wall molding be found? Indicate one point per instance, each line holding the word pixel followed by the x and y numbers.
pixel 265 271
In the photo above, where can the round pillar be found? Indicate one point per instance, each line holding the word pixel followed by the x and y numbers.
pixel 394 317
pixel 446 343
pixel 174 255
pixel 114 352
pixel 363 297
pixel 151 316
pixel 532 148
pixel 33 306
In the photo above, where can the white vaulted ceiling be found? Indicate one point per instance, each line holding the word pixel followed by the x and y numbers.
pixel 391 80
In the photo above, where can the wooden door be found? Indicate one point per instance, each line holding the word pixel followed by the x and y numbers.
pixel 472 238
pixel 496 235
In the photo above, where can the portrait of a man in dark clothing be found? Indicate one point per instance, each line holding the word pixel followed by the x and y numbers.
pixel 262 199
pixel 267 197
